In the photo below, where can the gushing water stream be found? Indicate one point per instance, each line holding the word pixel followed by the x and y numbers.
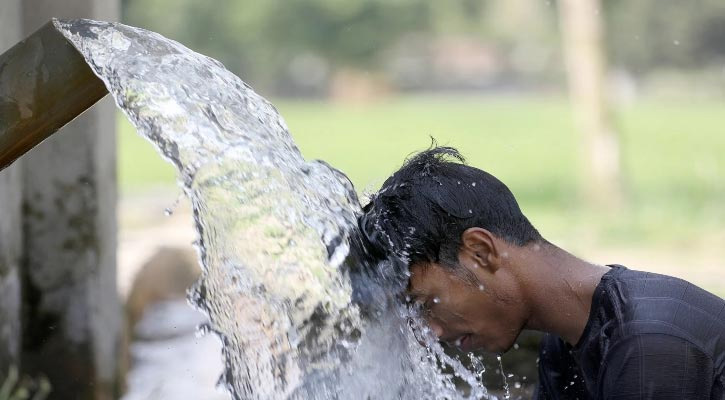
pixel 284 281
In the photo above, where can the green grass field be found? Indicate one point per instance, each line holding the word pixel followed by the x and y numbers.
pixel 673 157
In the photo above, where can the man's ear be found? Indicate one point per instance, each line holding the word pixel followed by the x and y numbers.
pixel 479 245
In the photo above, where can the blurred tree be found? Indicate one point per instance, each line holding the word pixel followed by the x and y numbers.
pixel 262 41
pixel 652 34
pixel 259 40
pixel 350 33
pixel 275 43
pixel 527 32
pixel 583 38
pixel 227 30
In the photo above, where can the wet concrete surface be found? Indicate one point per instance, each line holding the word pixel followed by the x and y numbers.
pixel 170 360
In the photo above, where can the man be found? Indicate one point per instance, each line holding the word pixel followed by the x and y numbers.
pixel 482 273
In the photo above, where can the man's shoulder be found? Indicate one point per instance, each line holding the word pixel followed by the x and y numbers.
pixel 646 296
pixel 648 305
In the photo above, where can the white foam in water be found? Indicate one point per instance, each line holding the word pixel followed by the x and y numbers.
pixel 274 234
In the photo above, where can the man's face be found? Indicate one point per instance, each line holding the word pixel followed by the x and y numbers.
pixel 471 310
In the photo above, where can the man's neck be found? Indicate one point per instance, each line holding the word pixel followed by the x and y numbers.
pixel 560 288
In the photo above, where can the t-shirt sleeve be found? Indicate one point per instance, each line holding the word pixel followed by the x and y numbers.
pixel 655 366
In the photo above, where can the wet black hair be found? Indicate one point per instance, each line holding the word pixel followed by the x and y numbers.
pixel 421 211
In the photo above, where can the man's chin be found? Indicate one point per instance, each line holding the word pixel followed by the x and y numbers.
pixel 491 347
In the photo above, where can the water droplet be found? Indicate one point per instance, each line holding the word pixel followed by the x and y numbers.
pixel 169 211
pixel 473 184
pixel 516 346
pixel 436 300
pixel 478 368
pixel 480 287
pixel 507 393
pixel 676 42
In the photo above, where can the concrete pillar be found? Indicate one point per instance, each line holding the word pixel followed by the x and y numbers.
pixel 10 224
pixel 71 313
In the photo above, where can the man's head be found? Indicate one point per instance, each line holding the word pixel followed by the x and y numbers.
pixel 454 227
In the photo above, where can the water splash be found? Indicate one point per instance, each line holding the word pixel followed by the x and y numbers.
pixel 478 368
pixel 507 393
pixel 283 283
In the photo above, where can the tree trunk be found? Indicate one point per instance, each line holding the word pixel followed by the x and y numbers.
pixel 582 34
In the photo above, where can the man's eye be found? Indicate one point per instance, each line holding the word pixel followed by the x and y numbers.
pixel 427 307
pixel 432 302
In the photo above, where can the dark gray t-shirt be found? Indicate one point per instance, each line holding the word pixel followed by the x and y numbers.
pixel 649 336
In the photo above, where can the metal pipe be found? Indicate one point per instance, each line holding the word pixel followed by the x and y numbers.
pixel 44 84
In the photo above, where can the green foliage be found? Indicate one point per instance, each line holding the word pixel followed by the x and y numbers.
pixel 259 39
pixel 351 33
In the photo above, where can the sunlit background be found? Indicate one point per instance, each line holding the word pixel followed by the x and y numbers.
pixel 362 84
pixel 605 118
pixel 606 121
